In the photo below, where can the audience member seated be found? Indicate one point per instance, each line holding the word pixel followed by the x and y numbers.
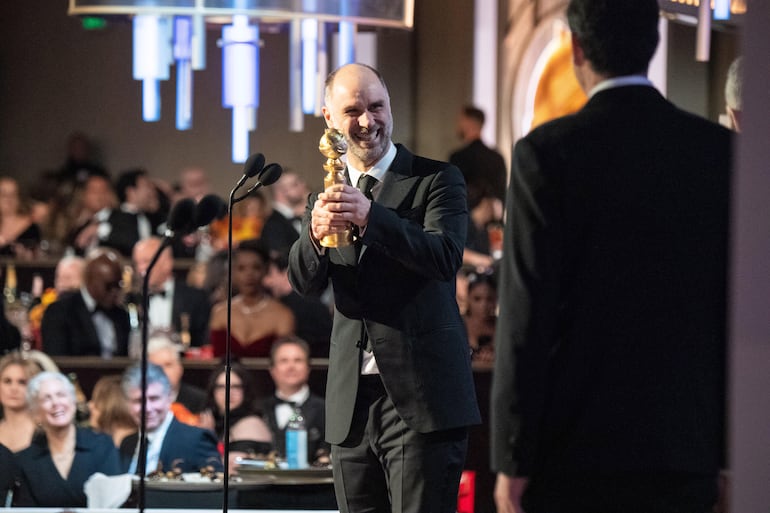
pixel 10 337
pixel 481 315
pixel 170 443
pixel 485 216
pixel 290 370
pixel 134 220
pixel 68 277
pixel 61 458
pixel 85 221
pixel 19 236
pixel 109 411
pixel 313 317
pixel 174 305
pixel 289 201
pixel 92 320
pixel 194 184
pixel 187 400
pixel 16 423
pixel 9 475
pixel 249 435
pixel 257 319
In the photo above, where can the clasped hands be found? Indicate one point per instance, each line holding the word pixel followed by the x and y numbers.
pixel 336 208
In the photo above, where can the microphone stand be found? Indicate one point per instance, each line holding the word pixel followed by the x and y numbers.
pixel 142 459
pixel 228 351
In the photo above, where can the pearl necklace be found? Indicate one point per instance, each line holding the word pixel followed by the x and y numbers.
pixel 250 310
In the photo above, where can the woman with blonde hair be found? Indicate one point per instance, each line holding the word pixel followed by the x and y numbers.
pixel 109 409
pixel 16 423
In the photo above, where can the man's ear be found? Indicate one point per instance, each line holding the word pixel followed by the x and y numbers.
pixel 327 116
pixel 578 56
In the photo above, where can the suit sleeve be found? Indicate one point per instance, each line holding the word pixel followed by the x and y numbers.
pixel 528 290
pixel 432 248
pixel 54 332
pixel 308 269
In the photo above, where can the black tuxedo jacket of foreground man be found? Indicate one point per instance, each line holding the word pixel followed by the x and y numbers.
pixel 611 336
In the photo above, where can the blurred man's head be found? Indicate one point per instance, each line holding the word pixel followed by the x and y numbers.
pixel 102 278
pixel 290 364
pixel 193 183
pixel 158 394
pixel 734 93
pixel 164 353
pixel 469 123
pixel 69 274
pixel 291 190
pixel 143 252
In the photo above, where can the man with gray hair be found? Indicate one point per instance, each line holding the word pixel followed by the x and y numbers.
pixel 170 444
pixel 734 93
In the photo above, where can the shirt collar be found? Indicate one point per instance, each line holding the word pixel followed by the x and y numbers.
pixel 378 170
pixel 627 80
pixel 88 299
pixel 299 397
pixel 284 210
pixel 160 432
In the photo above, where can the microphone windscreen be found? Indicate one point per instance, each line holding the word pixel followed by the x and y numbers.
pixel 180 218
pixel 270 174
pixel 210 207
pixel 254 165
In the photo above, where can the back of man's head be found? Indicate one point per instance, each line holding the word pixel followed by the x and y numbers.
pixel 618 37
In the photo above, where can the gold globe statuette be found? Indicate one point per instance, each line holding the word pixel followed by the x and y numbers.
pixel 332 146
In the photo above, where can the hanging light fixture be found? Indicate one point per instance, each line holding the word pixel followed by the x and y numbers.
pixel 173 32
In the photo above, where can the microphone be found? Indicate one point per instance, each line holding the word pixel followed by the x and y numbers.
pixel 268 176
pixel 210 207
pixel 251 168
pixel 180 219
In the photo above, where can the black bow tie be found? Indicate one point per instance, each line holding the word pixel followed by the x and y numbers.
pixel 284 401
pixel 158 293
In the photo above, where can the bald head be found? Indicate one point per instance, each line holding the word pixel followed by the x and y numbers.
pixel 142 255
pixel 358 105
pixel 102 278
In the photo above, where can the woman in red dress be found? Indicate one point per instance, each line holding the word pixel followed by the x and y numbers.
pixel 257 318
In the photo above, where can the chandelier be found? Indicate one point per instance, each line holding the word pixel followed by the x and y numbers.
pixel 170 33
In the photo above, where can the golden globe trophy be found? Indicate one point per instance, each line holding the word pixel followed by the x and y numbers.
pixel 332 146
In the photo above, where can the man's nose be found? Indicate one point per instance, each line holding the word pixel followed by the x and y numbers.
pixel 365 119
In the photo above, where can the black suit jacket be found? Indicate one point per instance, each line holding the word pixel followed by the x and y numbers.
pixel 611 334
pixel 278 232
pixel 402 289
pixel 194 302
pixel 313 413
pixel 483 169
pixel 67 328
pixel 43 486
pixel 186 447
pixel 124 231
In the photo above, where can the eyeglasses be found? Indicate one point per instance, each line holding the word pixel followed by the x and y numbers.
pixel 233 386
pixel 114 285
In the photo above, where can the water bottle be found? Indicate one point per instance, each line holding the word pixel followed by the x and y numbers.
pixel 296 441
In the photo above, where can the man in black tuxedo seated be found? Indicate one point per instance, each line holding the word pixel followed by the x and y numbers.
pixel 290 369
pixel 92 320
pixel 283 224
pixel 174 305
pixel 136 219
pixel 170 444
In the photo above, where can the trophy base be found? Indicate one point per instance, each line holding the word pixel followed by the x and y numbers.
pixel 338 240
